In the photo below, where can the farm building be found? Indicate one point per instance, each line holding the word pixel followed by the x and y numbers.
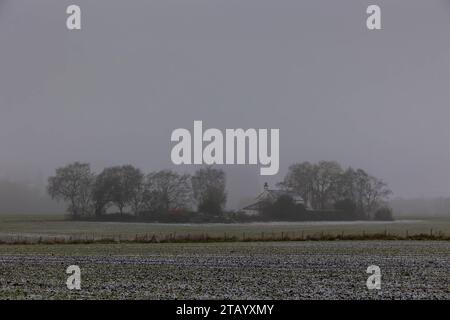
pixel 270 195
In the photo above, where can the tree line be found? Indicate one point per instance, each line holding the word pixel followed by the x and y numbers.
pixel 131 192
pixel 126 191
pixel 326 185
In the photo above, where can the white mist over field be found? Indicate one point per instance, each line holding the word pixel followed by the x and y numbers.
pixel 113 92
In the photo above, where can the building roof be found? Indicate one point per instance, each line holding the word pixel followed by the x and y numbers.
pixel 272 195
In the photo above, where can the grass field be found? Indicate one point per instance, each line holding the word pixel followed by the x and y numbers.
pixel 251 270
pixel 34 227
pixel 222 270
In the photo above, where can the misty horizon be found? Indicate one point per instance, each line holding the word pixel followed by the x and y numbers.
pixel 112 93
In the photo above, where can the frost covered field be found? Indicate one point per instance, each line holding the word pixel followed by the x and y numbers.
pixel 31 228
pixel 266 270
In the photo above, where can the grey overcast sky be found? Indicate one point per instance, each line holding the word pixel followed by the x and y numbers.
pixel 113 92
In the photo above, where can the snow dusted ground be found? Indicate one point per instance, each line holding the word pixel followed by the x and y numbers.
pixel 271 270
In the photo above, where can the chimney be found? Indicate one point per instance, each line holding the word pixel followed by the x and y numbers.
pixel 266 186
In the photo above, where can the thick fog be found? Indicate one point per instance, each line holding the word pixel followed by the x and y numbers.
pixel 113 92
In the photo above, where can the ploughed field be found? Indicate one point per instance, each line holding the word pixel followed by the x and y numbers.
pixel 240 270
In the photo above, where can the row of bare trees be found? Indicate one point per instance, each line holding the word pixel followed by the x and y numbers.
pixel 326 185
pixel 128 190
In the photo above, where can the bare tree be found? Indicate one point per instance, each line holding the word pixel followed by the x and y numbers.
pixel 326 177
pixel 368 193
pixel 324 184
pixel 300 178
pixel 347 188
pixel 167 190
pixel 375 193
pixel 316 183
pixel 73 184
pixel 120 185
pixel 101 192
pixel 209 186
pixel 137 187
